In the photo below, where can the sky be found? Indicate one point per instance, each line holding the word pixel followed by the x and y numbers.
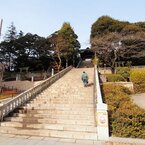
pixel 43 17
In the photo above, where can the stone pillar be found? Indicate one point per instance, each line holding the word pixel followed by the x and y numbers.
pixel 17 77
pixel 52 72
pixel 102 121
pixel 32 78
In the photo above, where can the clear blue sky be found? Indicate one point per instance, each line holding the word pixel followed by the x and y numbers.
pixel 43 17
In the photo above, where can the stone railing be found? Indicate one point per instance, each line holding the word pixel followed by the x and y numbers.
pixel 29 94
pixel 101 110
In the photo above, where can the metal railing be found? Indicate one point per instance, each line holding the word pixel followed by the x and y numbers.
pixel 29 94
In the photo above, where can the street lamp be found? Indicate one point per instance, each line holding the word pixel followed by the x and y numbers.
pixel 116 46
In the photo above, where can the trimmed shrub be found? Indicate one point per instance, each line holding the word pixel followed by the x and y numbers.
pixel 129 121
pixel 137 76
pixel 114 78
pixel 125 118
pixel 124 72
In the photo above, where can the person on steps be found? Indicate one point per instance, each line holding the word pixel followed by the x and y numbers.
pixel 85 79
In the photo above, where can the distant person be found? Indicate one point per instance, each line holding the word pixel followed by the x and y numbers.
pixel 85 79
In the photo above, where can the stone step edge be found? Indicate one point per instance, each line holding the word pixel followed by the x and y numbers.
pixel 50 133
pixel 57 116
pixel 40 111
pixel 57 108
pixel 57 122
pixel 48 118
pixel 60 127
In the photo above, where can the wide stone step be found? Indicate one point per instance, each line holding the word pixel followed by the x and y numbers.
pixel 41 106
pixel 49 133
pixel 63 94
pixel 63 127
pixel 54 111
pixel 64 102
pixel 62 105
pixel 61 99
pixel 67 101
pixel 56 116
pixel 50 120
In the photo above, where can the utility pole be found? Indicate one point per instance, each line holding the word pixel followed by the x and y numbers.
pixel 1 23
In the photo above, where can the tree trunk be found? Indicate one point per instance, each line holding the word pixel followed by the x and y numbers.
pixel 66 63
pixel 59 63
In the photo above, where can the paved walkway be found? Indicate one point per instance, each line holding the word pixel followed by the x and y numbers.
pixel 6 139
pixel 9 139
pixel 139 99
pixel 125 141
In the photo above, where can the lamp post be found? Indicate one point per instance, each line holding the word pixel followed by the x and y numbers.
pixel 116 46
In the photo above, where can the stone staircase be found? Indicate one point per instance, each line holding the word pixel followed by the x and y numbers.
pixel 87 64
pixel 66 109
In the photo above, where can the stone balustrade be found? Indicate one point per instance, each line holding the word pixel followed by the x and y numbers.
pixel 101 110
pixel 29 94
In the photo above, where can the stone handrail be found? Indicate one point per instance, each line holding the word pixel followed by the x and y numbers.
pixel 98 89
pixel 101 110
pixel 29 94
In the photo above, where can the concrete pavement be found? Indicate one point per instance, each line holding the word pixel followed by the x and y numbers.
pixel 9 139
pixel 139 99
pixel 6 139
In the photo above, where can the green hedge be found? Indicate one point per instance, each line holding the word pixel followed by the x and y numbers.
pixel 124 72
pixel 114 78
pixel 137 76
pixel 125 118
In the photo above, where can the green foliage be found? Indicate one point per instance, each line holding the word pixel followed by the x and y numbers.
pixel 125 118
pixel 132 36
pixel 131 29
pixel 106 24
pixel 11 33
pixel 38 53
pixel 129 121
pixel 64 43
pixel 141 25
pixel 124 72
pixel 137 76
pixel 70 38
pixel 114 78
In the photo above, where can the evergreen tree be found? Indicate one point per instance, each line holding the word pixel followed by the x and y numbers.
pixel 8 46
pixel 64 43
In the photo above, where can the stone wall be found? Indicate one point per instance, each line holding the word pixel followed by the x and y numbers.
pixel 19 85
pixel 105 71
pixel 129 85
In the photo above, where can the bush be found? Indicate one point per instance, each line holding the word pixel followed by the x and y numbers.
pixel 114 78
pixel 129 121
pixel 137 76
pixel 125 118
pixel 124 72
